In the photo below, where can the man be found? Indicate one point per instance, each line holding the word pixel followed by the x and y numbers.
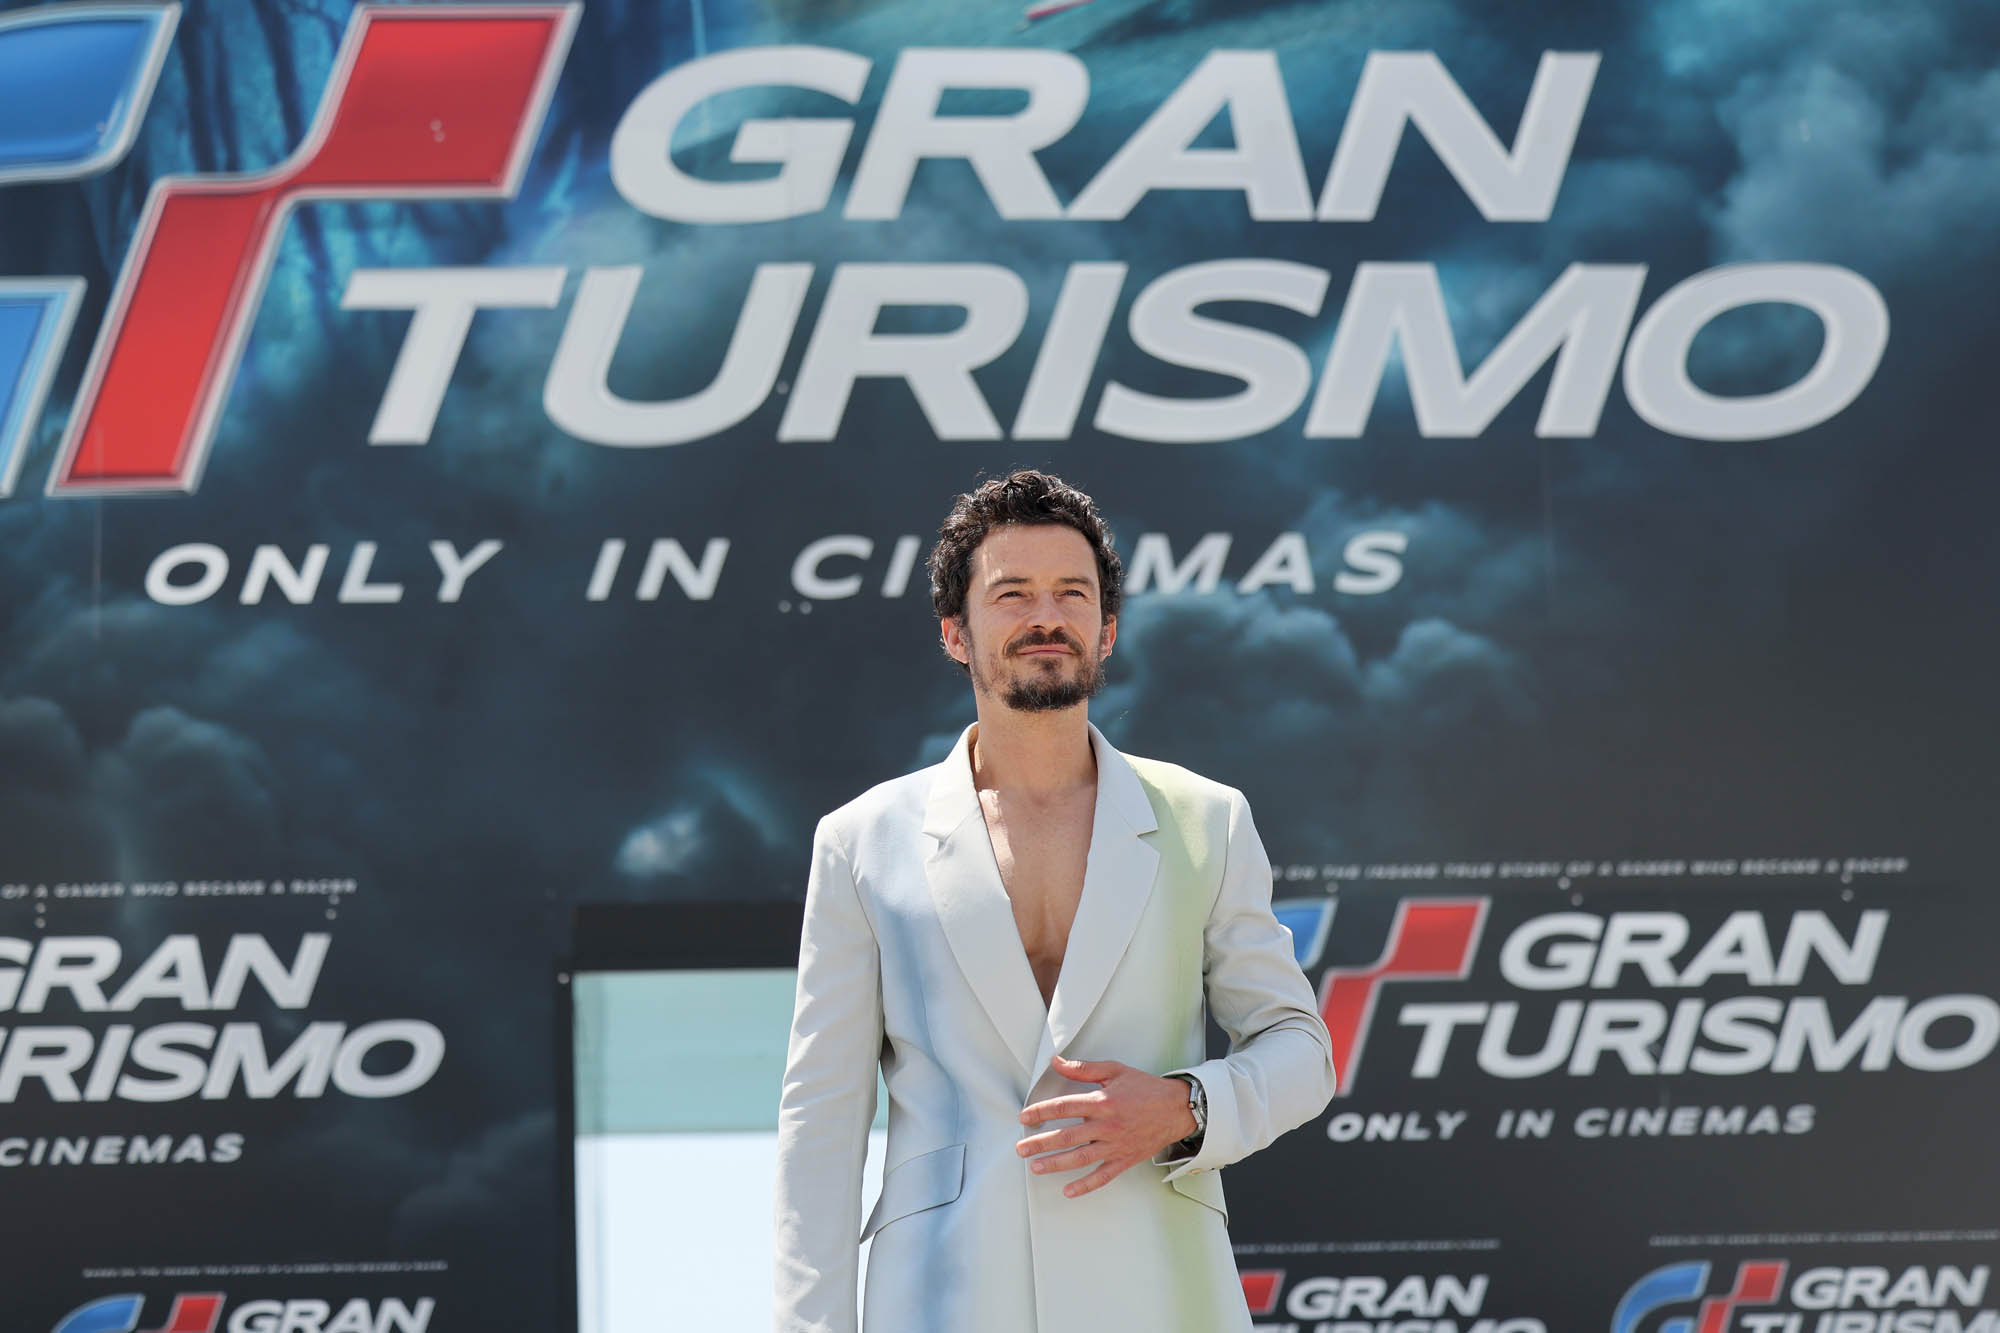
pixel 1021 936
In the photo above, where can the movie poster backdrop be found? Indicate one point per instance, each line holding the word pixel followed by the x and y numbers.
pixel 461 462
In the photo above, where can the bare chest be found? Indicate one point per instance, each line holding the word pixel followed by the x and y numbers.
pixel 1041 848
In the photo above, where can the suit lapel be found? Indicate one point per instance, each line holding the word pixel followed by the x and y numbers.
pixel 1117 883
pixel 978 919
pixel 973 908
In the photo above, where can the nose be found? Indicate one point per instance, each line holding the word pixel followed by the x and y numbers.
pixel 1046 613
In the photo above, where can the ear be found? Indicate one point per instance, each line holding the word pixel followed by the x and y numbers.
pixel 1110 634
pixel 951 629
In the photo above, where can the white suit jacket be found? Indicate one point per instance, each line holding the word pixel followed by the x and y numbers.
pixel 910 957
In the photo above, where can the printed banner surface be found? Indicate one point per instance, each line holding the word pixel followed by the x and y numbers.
pixel 463 462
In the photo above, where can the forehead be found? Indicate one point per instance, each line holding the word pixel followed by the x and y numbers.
pixel 1034 551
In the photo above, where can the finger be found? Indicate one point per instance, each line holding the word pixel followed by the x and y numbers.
pixel 1048 1139
pixel 1057 1107
pixel 1088 1071
pixel 1102 1176
pixel 1087 1154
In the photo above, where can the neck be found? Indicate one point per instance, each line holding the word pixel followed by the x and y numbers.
pixel 1036 753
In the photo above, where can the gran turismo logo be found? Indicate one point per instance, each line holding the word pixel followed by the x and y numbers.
pixel 75 81
pixel 1758 1282
pixel 1431 939
pixel 202 1313
pixel 120 1314
pixel 1261 1288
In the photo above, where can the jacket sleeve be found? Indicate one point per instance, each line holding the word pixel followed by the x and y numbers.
pixel 828 1101
pixel 1279 1071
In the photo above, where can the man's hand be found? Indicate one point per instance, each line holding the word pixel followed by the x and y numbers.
pixel 1126 1121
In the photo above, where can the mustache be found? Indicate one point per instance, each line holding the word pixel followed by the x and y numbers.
pixel 1054 640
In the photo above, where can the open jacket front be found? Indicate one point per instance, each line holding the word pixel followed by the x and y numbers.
pixel 910 957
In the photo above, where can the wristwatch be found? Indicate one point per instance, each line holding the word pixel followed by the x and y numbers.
pixel 1198 1104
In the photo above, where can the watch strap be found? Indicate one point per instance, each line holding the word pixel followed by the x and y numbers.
pixel 1197 1106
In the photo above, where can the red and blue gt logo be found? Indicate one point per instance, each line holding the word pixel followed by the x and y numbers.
pixel 1757 1283
pixel 425 102
pixel 120 1314
pixel 1431 939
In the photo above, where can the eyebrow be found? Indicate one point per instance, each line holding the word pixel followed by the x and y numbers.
pixel 1022 578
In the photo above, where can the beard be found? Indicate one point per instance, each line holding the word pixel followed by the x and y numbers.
pixel 1045 689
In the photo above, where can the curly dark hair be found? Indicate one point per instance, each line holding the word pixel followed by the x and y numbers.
pixel 1022 496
